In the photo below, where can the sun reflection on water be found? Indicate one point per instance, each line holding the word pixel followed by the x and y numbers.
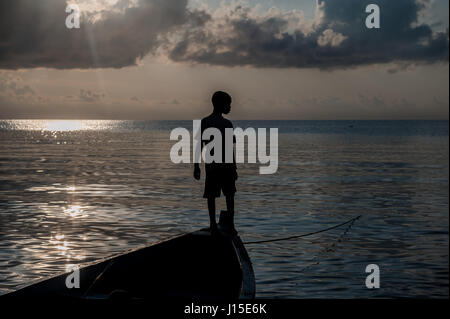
pixel 75 211
pixel 59 243
pixel 63 125
pixel 60 125
pixel 63 247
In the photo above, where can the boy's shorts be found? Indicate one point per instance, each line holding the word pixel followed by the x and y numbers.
pixel 219 178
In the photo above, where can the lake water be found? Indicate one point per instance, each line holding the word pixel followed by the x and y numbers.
pixel 75 191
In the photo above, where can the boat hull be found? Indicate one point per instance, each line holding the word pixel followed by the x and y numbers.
pixel 195 266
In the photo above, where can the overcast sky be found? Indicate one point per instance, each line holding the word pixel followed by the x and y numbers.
pixel 279 59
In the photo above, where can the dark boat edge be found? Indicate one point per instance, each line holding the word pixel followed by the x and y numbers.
pixel 248 285
pixel 18 292
pixel 248 289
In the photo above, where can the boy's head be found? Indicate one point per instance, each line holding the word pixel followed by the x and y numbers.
pixel 221 102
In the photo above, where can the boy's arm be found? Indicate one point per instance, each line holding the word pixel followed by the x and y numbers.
pixel 235 168
pixel 197 171
pixel 234 156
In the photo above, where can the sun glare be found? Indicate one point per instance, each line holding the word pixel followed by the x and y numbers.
pixel 63 125
pixel 75 211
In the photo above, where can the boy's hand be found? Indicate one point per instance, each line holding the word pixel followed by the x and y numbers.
pixel 197 172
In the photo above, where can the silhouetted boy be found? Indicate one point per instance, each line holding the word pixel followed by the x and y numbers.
pixel 219 176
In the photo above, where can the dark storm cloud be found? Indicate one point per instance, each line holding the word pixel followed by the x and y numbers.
pixel 339 39
pixel 33 34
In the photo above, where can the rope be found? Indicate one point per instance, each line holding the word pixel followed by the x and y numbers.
pixel 352 220
pixel 330 248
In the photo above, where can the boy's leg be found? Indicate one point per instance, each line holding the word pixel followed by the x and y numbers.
pixel 212 212
pixel 230 208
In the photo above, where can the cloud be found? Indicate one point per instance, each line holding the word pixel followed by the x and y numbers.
pixel 33 34
pixel 90 96
pixel 338 38
pixel 12 87
pixel 329 37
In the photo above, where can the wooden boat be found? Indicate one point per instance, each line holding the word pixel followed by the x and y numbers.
pixel 195 266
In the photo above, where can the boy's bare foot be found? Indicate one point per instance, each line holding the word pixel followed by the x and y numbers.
pixel 214 230
pixel 232 230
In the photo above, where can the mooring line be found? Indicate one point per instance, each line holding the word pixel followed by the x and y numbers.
pixel 352 220
pixel 330 248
